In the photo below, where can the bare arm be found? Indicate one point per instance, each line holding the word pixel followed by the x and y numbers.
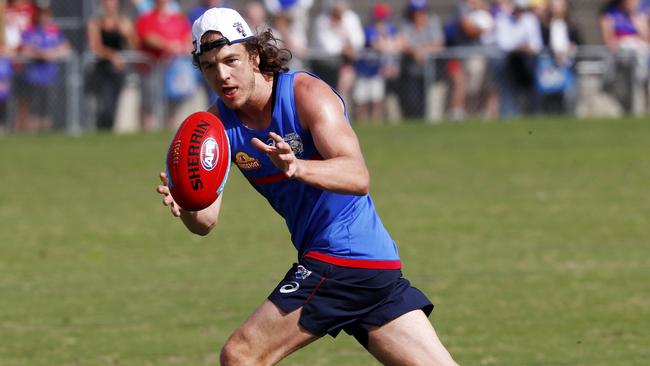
pixel 93 35
pixel 198 222
pixel 607 32
pixel 342 169
pixel 128 31
pixel 641 21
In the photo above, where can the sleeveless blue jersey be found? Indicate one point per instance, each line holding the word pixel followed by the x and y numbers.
pixel 335 228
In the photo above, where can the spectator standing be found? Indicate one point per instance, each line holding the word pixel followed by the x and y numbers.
pixel 518 35
pixel 283 27
pixel 424 36
pixel 44 46
pixel 20 13
pixel 555 74
pixel 471 26
pixel 198 10
pixel 256 17
pixel 338 37
pixel 19 16
pixel 108 35
pixel 291 21
pixel 379 63
pixel 145 6
pixel 624 28
pixel 6 70
pixel 165 35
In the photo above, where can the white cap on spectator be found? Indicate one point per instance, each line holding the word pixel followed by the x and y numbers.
pixel 226 21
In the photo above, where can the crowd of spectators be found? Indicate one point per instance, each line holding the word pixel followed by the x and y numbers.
pixel 518 55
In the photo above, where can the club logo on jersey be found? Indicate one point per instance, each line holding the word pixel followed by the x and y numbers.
pixel 294 141
pixel 209 154
pixel 302 273
pixel 246 162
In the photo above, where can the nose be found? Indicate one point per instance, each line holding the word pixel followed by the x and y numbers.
pixel 223 73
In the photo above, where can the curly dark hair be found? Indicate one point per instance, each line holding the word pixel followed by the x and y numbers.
pixel 273 58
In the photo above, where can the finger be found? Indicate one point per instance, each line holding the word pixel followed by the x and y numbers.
pixel 284 147
pixel 163 178
pixel 286 157
pixel 168 200
pixel 279 142
pixel 176 211
pixel 162 190
pixel 259 145
pixel 277 138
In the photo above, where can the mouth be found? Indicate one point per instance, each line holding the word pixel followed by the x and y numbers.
pixel 229 91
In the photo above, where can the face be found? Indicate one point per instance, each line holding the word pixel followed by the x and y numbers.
pixel 630 6
pixel 420 18
pixel 230 72
pixel 110 5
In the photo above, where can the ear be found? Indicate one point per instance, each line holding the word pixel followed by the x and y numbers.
pixel 255 60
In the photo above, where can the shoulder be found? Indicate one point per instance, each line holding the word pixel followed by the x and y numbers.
pixel 145 19
pixel 315 99
pixel 306 86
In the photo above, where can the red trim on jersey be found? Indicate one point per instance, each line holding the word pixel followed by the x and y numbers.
pixel 278 177
pixel 355 263
pixel 275 178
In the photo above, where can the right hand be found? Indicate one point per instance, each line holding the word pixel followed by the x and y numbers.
pixel 168 200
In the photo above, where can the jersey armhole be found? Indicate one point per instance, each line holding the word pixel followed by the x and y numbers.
pixel 293 99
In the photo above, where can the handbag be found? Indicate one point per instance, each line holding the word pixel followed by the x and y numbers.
pixel 551 78
pixel 181 79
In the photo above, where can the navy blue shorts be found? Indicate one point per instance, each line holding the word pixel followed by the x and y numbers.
pixel 335 298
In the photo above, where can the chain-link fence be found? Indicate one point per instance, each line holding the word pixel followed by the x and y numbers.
pixel 84 95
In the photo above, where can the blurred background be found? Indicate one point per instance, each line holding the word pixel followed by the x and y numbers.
pixel 529 232
pixel 124 66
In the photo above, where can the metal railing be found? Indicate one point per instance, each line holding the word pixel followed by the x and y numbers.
pixel 602 79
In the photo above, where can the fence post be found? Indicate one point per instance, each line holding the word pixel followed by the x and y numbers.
pixel 74 98
pixel 3 11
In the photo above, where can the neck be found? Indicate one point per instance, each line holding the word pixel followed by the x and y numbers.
pixel 257 112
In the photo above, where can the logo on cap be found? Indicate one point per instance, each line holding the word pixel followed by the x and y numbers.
pixel 240 28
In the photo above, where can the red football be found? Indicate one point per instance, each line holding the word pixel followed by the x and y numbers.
pixel 198 161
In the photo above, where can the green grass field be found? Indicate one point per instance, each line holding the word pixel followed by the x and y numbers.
pixel 531 237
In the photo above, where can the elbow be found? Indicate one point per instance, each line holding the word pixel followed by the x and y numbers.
pixel 203 230
pixel 200 231
pixel 363 185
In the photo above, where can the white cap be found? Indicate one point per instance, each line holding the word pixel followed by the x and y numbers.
pixel 226 21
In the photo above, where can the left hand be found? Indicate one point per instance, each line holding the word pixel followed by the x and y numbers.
pixel 281 154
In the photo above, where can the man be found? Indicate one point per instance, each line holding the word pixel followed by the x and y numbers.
pixel 164 34
pixel 302 155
